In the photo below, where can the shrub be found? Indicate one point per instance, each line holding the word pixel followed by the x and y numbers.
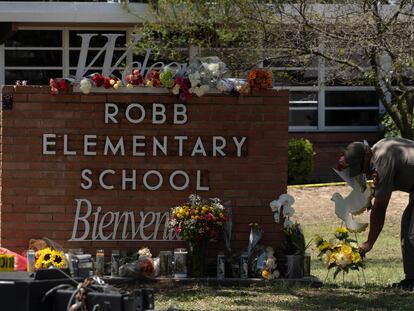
pixel 300 160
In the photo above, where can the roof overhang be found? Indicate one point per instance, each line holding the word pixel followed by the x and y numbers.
pixel 73 12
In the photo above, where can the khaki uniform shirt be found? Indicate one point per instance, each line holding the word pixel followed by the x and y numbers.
pixel 393 166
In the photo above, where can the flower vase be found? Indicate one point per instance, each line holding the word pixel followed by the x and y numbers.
pixel 196 259
pixel 294 266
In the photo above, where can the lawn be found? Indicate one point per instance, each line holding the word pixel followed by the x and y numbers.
pixel 356 291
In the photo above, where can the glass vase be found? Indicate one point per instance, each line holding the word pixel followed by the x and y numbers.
pixel 196 259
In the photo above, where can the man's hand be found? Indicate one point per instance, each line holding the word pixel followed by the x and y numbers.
pixel 365 248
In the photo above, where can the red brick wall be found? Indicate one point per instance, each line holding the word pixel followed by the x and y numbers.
pixel 38 191
pixel 328 147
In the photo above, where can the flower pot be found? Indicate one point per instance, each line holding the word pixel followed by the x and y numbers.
pixel 294 266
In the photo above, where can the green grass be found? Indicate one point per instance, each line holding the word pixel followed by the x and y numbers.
pixel 353 292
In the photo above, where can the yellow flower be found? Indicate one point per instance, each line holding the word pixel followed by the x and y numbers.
pixel 58 260
pixel 112 82
pixel 265 274
pixel 324 246
pixel 356 257
pixel 117 85
pixel 129 86
pixel 346 249
pixel 341 230
pixel 44 258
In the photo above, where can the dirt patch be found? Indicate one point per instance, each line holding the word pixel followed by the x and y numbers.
pixel 313 204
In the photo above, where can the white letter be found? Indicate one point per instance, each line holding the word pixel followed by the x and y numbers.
pixel 84 175
pixel 186 177
pixel 83 219
pixel 218 147
pixel 180 110
pixel 119 145
pixel 199 186
pixel 239 145
pixel 160 180
pixel 103 226
pixel 158 110
pixel 136 144
pixel 89 141
pixel 199 148
pixel 143 225
pixel 65 146
pixel 132 180
pixel 127 113
pixel 157 145
pixel 180 144
pixel 118 220
pixel 111 115
pixel 47 143
pixel 101 179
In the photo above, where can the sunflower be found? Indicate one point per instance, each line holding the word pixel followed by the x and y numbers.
pixel 44 258
pixel 58 260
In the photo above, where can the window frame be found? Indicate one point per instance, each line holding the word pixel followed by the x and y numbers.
pixel 65 48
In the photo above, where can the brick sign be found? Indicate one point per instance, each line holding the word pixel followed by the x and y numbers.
pixel 104 169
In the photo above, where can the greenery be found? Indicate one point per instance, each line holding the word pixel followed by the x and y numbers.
pixel 295 240
pixel 300 160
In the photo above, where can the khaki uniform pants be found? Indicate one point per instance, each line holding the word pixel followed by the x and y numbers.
pixel 407 238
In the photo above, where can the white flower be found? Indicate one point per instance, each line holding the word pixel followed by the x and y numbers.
pixel 85 86
pixel 353 245
pixel 176 89
pixel 288 223
pixel 275 274
pixel 275 205
pixel 288 211
pixel 286 199
pixel 333 242
pixel 200 90
pixel 144 252
pixel 276 217
pixel 343 260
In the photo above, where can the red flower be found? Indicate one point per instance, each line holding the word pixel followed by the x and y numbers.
pixel 135 78
pixel 98 79
pixel 154 77
pixel 107 83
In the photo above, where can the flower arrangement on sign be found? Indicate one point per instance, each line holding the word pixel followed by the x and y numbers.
pixel 198 219
pixel 201 76
pixel 48 257
pixel 259 79
pixel 340 253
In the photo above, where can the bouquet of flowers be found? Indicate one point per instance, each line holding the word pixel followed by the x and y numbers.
pixel 259 79
pixel 48 257
pixel 340 253
pixel 198 219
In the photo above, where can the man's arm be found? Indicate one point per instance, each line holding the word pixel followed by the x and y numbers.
pixel 377 219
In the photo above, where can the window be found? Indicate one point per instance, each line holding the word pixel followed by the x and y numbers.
pixel 33 55
pixel 303 108
pixel 38 55
pixel 351 108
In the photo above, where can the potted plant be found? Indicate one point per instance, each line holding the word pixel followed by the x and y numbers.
pixel 295 245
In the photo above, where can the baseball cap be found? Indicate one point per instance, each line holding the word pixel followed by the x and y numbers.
pixel 354 157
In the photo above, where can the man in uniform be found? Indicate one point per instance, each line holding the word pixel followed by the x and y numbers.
pixel 391 164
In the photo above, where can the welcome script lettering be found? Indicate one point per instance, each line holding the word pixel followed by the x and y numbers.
pixel 91 223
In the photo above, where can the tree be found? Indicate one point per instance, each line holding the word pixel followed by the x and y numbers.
pixel 367 41
pixel 363 42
